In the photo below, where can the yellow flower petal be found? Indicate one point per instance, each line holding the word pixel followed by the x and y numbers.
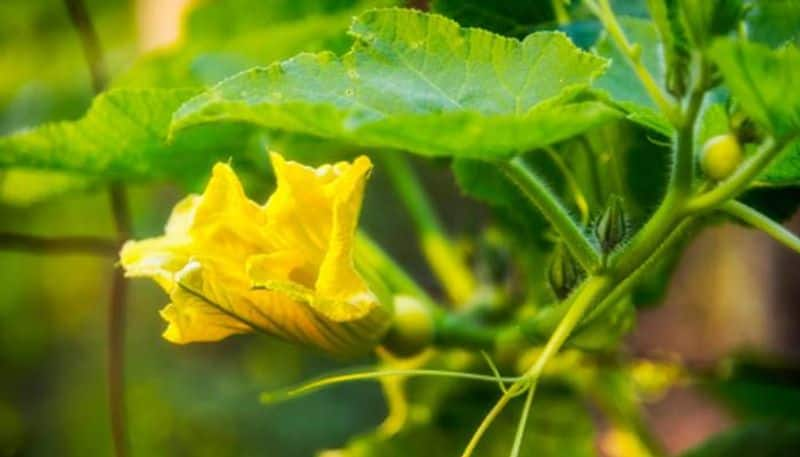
pixel 297 248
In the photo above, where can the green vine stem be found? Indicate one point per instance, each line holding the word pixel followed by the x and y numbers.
pixel 447 264
pixel 371 255
pixel 576 239
pixel 80 18
pixel 682 177
pixel 560 12
pixel 58 245
pixel 761 222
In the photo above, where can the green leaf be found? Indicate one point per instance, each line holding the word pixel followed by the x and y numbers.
pixel 672 32
pixel 419 82
pixel 123 136
pixel 774 22
pixel 706 19
pixel 758 388
pixel 621 83
pixel 767 439
pixel 763 81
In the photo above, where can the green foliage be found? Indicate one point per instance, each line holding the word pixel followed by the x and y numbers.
pixel 761 439
pixel 762 81
pixel 774 22
pixel 559 426
pixel 759 388
pixel 611 176
pixel 706 19
pixel 462 92
pixel 621 83
pixel 124 135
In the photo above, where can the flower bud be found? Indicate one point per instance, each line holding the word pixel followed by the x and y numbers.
pixel 612 227
pixel 720 157
pixel 412 327
pixel 564 272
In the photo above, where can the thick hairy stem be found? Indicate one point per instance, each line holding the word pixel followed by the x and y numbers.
pixel 683 164
pixel 576 239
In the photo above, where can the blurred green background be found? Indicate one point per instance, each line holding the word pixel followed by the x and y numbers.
pixel 202 399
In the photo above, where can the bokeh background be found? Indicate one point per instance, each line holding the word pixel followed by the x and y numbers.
pixel 734 292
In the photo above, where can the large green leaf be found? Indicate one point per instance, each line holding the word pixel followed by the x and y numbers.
pixel 774 22
pixel 418 81
pixel 763 81
pixel 622 84
pixel 123 136
pixel 762 439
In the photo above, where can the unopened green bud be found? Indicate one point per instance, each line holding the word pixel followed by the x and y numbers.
pixel 412 327
pixel 612 227
pixel 564 273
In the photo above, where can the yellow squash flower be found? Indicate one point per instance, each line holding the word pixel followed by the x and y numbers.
pixel 285 268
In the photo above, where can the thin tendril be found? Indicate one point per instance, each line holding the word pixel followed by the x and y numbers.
pixel 495 371
pixel 272 397
pixel 523 421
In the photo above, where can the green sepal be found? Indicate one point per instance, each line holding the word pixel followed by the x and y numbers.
pixel 612 227
pixel 564 273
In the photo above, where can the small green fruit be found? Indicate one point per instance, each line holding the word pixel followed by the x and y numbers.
pixel 412 327
pixel 721 156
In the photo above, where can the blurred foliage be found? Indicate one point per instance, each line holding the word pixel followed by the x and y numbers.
pixel 761 439
pixel 60 148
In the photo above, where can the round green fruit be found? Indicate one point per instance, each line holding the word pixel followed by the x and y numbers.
pixel 721 156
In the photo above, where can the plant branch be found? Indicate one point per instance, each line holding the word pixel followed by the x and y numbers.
pixel 633 53
pixel 523 421
pixel 371 255
pixel 739 180
pixel 90 42
pixel 682 176
pixel 445 262
pixel 121 214
pixel 59 245
pixel 536 191
pixel 560 12
pixel 590 293
pixel 763 223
